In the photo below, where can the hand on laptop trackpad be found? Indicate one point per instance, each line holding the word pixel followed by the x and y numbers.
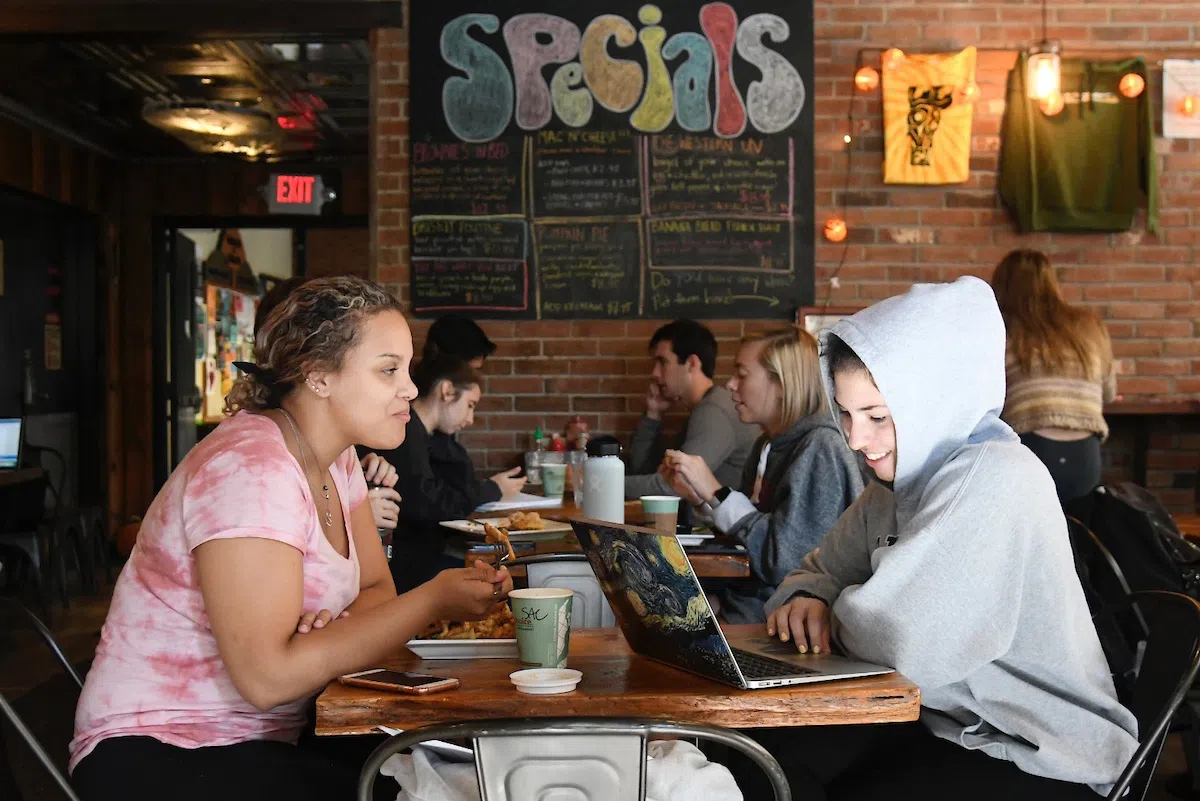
pixel 771 646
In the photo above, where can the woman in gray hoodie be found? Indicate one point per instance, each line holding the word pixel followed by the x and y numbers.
pixel 798 479
pixel 954 567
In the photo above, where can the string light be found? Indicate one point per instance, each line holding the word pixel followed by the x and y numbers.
pixel 866 79
pixel 969 92
pixel 1189 105
pixel 1132 84
pixel 892 58
pixel 847 139
pixel 1052 104
pixel 835 229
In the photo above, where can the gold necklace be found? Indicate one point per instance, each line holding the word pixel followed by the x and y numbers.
pixel 300 444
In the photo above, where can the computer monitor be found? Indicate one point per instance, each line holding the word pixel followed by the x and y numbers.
pixel 10 443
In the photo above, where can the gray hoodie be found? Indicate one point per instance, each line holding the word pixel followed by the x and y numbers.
pixel 960 575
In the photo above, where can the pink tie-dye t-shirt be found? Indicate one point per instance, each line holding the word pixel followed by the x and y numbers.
pixel 157 671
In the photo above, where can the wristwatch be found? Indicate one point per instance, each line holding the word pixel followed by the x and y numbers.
pixel 719 497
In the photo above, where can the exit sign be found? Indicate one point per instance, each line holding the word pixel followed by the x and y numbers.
pixel 289 193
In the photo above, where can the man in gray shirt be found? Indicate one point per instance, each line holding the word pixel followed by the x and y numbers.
pixel 685 359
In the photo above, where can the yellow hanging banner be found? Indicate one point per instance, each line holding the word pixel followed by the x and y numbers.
pixel 928 103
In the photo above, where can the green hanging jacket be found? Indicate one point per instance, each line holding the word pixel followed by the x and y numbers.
pixel 1086 168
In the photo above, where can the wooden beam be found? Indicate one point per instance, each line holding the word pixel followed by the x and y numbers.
pixel 218 19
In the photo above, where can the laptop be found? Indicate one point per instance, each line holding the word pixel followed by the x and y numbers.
pixel 10 442
pixel 662 611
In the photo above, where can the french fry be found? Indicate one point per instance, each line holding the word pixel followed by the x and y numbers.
pixel 497 535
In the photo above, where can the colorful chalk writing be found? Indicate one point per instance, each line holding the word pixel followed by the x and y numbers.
pixel 548 70
pixel 612 159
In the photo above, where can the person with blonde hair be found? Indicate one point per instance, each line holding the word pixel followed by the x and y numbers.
pixel 258 576
pixel 799 478
pixel 1059 371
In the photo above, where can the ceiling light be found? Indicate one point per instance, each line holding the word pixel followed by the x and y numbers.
pixel 211 119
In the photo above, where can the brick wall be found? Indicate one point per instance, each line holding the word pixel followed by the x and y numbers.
pixel 1144 285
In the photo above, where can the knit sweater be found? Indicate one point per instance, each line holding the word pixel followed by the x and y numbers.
pixel 1055 398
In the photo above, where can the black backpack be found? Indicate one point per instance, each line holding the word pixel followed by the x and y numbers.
pixel 1142 537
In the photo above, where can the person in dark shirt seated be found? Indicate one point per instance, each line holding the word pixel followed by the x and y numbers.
pixel 438 483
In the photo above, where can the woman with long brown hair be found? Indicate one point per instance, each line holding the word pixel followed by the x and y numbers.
pixel 1059 369
pixel 258 576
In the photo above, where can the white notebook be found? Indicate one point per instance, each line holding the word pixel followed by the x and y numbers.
pixel 522 501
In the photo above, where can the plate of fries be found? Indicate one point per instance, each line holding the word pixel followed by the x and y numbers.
pixel 494 637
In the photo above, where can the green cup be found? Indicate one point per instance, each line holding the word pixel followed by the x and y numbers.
pixel 543 618
pixel 661 512
pixel 554 480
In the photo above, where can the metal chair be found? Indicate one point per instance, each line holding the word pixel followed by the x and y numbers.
pixel 7 778
pixel 572 571
pixel 1168 668
pixel 589 759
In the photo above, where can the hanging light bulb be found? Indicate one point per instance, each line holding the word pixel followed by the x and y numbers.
pixel 1132 84
pixel 1043 72
pixel 835 229
pixel 1043 69
pixel 866 79
pixel 1052 104
pixel 847 138
pixel 969 92
pixel 1189 105
pixel 892 58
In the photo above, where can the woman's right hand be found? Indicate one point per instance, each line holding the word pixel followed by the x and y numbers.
pixel 805 620
pixel 510 486
pixel 470 593
pixel 385 506
pixel 679 484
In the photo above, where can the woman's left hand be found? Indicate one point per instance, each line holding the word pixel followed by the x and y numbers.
pixel 378 471
pixel 695 472
pixel 310 621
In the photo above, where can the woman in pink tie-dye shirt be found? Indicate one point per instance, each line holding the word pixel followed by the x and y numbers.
pixel 258 575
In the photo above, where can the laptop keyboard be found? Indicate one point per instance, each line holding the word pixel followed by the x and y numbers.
pixel 757 666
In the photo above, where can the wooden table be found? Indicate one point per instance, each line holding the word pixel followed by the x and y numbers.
pixel 1142 412
pixel 10 478
pixel 616 682
pixel 706 565
pixel 1189 526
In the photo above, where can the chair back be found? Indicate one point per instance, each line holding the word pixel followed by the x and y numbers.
pixel 571 571
pixel 18 725
pixel 581 759
pixel 1168 668
pixel 38 626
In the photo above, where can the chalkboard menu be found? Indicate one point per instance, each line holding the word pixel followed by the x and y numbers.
pixel 612 161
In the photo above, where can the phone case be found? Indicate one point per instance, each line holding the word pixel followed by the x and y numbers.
pixel 445 684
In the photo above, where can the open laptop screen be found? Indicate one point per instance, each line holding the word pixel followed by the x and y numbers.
pixel 656 598
pixel 10 442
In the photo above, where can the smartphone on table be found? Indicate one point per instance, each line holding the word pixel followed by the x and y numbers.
pixel 400 682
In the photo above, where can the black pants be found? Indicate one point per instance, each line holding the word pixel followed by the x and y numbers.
pixel 1074 466
pixel 144 769
pixel 891 762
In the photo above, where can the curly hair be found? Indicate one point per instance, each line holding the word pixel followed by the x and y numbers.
pixel 311 329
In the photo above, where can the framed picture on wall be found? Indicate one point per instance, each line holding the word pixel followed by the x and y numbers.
pixel 816 318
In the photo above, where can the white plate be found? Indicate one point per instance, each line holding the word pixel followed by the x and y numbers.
pixel 464 649
pixel 476 527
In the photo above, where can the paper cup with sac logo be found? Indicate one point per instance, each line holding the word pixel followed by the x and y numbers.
pixel 543 618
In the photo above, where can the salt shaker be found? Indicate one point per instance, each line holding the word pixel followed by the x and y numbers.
pixel 604 481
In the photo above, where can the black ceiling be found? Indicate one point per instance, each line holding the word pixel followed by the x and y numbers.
pixel 314 92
